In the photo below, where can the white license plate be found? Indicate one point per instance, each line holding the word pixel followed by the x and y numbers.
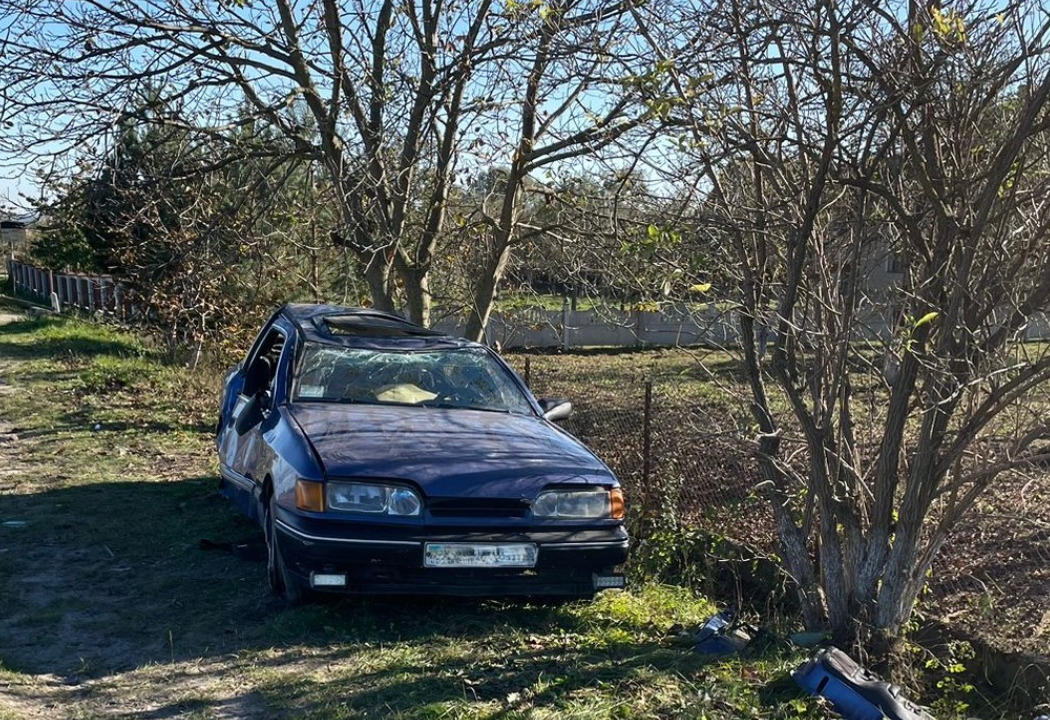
pixel 474 555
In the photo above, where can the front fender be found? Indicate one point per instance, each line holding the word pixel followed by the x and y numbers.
pixel 288 456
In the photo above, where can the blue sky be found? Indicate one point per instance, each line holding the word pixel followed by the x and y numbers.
pixel 10 190
pixel 16 180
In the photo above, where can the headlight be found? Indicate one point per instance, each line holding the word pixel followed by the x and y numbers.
pixel 372 498
pixel 573 504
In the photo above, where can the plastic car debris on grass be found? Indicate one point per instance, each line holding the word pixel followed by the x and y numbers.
pixel 720 635
pixel 253 550
pixel 854 692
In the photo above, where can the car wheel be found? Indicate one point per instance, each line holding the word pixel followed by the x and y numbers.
pixel 280 580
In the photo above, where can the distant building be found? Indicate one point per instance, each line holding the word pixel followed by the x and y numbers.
pixel 14 237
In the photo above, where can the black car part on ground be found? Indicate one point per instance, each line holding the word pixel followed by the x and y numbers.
pixel 854 692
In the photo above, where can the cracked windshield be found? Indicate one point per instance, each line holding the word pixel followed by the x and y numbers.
pixel 464 378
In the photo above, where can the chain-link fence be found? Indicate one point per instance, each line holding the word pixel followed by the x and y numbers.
pixel 673 434
pixel 676 451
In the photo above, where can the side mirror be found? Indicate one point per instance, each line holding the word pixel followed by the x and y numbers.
pixel 555 409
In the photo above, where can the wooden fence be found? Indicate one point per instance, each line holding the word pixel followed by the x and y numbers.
pixel 91 293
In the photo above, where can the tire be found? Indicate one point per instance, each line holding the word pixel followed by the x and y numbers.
pixel 281 582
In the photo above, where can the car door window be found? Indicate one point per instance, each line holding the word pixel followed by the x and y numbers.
pixel 262 370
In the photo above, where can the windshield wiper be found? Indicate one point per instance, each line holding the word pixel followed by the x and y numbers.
pixel 453 406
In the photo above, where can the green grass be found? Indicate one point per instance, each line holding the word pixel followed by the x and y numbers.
pixel 107 601
pixel 609 659
pixel 108 462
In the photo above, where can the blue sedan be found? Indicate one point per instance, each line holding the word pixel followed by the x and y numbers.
pixel 382 457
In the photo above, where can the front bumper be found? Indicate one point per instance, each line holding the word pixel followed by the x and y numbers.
pixel 390 561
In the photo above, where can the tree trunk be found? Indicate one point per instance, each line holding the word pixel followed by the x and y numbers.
pixel 417 296
pixel 485 293
pixel 378 275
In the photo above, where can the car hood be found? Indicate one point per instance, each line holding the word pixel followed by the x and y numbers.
pixel 448 453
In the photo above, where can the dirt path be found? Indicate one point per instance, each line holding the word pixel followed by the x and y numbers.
pixel 78 636
pixel 31 700
pixel 8 457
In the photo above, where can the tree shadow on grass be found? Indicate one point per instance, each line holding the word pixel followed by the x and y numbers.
pixel 82 421
pixel 571 676
pixel 103 577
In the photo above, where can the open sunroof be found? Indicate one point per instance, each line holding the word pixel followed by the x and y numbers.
pixel 374 325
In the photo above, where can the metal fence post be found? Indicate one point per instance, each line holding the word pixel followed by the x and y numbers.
pixel 565 324
pixel 647 435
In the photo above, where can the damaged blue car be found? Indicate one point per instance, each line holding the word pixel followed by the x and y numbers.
pixel 382 457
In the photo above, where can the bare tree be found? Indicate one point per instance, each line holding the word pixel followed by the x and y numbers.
pixel 395 99
pixel 833 140
pixel 573 104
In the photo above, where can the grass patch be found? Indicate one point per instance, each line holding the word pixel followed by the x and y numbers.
pixel 609 659
pixel 107 600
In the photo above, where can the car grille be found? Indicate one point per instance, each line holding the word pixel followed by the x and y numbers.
pixel 477 508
